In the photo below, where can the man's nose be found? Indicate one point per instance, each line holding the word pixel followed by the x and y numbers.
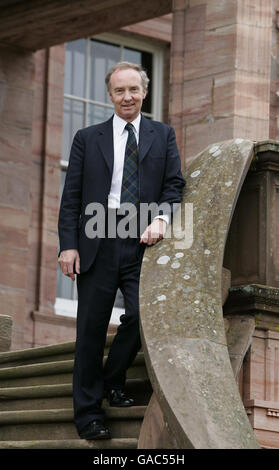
pixel 127 95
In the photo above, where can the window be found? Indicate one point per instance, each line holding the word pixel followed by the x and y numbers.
pixel 87 102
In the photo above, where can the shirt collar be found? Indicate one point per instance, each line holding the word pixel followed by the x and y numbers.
pixel 119 124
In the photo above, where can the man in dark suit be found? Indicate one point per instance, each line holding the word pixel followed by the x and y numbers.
pixel 125 160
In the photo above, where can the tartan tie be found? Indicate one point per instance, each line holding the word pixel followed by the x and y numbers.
pixel 130 181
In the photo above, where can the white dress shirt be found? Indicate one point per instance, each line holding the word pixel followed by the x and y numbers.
pixel 120 137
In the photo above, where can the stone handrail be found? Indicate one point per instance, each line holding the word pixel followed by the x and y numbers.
pixel 181 316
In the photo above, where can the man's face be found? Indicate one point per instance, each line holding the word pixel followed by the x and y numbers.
pixel 126 93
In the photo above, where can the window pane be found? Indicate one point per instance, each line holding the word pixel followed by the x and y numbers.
pixel 75 68
pixel 103 56
pixel 73 120
pixel 98 114
pixel 64 285
pixel 131 55
pixel 144 59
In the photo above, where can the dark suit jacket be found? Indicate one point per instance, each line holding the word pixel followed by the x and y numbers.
pixel 89 177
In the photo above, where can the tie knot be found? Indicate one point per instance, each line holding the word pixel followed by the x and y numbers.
pixel 129 126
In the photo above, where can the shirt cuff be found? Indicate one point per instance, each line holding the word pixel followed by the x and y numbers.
pixel 164 217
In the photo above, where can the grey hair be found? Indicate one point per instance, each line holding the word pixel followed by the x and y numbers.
pixel 128 65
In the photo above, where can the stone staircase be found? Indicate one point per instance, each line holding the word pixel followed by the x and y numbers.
pixel 36 410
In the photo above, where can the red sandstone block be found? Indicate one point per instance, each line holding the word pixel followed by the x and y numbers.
pixel 55 106
pixel 157 28
pixel 39 107
pixel 252 95
pixel 179 5
pixel 55 78
pixel 199 136
pixel 255 13
pixel 195 18
pixel 267 439
pixel 19 99
pixel 57 53
pixel 219 14
pixel 224 95
pixel 216 56
pixel 249 128
pixel 48 284
pixel 32 285
pixel 38 143
pixel 15 142
pixel 13 266
pixel 253 49
pixel 14 227
pixel 14 186
pixel 176 72
pixel 12 301
pixel 53 329
pixel 28 330
pixel 17 337
pixel 197 99
pixel 40 60
pixel 194 40
pixel 17 68
pixel 177 44
pixel 50 241
pixel 34 247
pixel 54 141
pixel 257 368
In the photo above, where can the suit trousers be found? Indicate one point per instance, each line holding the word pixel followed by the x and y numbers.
pixel 117 265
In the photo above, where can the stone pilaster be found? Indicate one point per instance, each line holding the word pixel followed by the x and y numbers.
pixel 220 72
pixel 16 98
pixel 47 126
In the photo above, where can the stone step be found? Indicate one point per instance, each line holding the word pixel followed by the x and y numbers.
pixel 58 372
pixel 59 424
pixel 60 396
pixel 124 443
pixel 36 401
pixel 50 353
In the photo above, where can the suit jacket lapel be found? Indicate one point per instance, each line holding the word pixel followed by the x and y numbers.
pixel 146 137
pixel 105 141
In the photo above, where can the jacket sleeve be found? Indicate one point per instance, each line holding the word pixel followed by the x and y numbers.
pixel 174 181
pixel 70 207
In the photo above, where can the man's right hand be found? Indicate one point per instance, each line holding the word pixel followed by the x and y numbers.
pixel 69 259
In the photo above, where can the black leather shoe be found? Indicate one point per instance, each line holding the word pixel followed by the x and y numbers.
pixel 118 398
pixel 95 430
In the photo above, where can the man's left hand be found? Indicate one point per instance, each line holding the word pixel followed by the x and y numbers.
pixel 154 232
